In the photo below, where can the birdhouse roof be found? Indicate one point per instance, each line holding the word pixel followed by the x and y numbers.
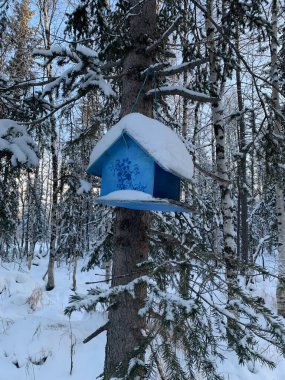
pixel 159 141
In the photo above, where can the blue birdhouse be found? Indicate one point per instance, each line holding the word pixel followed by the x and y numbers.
pixel 141 163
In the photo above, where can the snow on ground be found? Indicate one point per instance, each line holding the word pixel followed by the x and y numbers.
pixel 254 371
pixel 36 338
pixel 36 344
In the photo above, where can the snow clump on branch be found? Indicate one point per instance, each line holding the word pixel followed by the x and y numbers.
pixel 16 144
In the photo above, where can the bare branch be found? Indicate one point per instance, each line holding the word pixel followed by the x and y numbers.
pixel 164 35
pixel 27 84
pixel 97 332
pixel 240 56
pixel 214 176
pixel 60 106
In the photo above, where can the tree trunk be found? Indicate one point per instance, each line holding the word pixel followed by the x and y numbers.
pixel 242 188
pixel 53 214
pixel 33 226
pixel 125 326
pixel 280 210
pixel 222 169
pixel 131 246
pixel 46 22
pixel 27 216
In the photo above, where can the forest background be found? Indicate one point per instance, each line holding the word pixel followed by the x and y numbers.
pixel 211 70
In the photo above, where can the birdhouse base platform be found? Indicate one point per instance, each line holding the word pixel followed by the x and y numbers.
pixel 137 200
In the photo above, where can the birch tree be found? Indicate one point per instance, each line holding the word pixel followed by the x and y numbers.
pixel 242 238
pixel 278 131
pixel 221 160
pixel 47 10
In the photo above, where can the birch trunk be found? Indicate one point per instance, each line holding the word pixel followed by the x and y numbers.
pixel 280 210
pixel 222 169
pixel 131 245
pixel 242 188
pixel 45 7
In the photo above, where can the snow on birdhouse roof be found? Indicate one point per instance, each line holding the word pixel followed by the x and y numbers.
pixel 159 141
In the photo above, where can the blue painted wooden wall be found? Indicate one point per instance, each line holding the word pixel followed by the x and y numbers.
pixel 166 185
pixel 127 167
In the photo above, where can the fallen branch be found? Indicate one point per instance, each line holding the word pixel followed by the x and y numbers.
pixel 212 175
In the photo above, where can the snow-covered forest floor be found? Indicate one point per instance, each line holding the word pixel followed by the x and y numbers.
pixel 38 341
pixel 37 344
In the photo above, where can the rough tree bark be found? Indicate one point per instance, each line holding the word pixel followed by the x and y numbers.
pixel 280 209
pixel 131 246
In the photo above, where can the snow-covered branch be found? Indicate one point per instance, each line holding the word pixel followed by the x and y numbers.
pixel 182 91
pixel 83 73
pixel 173 70
pixel 17 144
